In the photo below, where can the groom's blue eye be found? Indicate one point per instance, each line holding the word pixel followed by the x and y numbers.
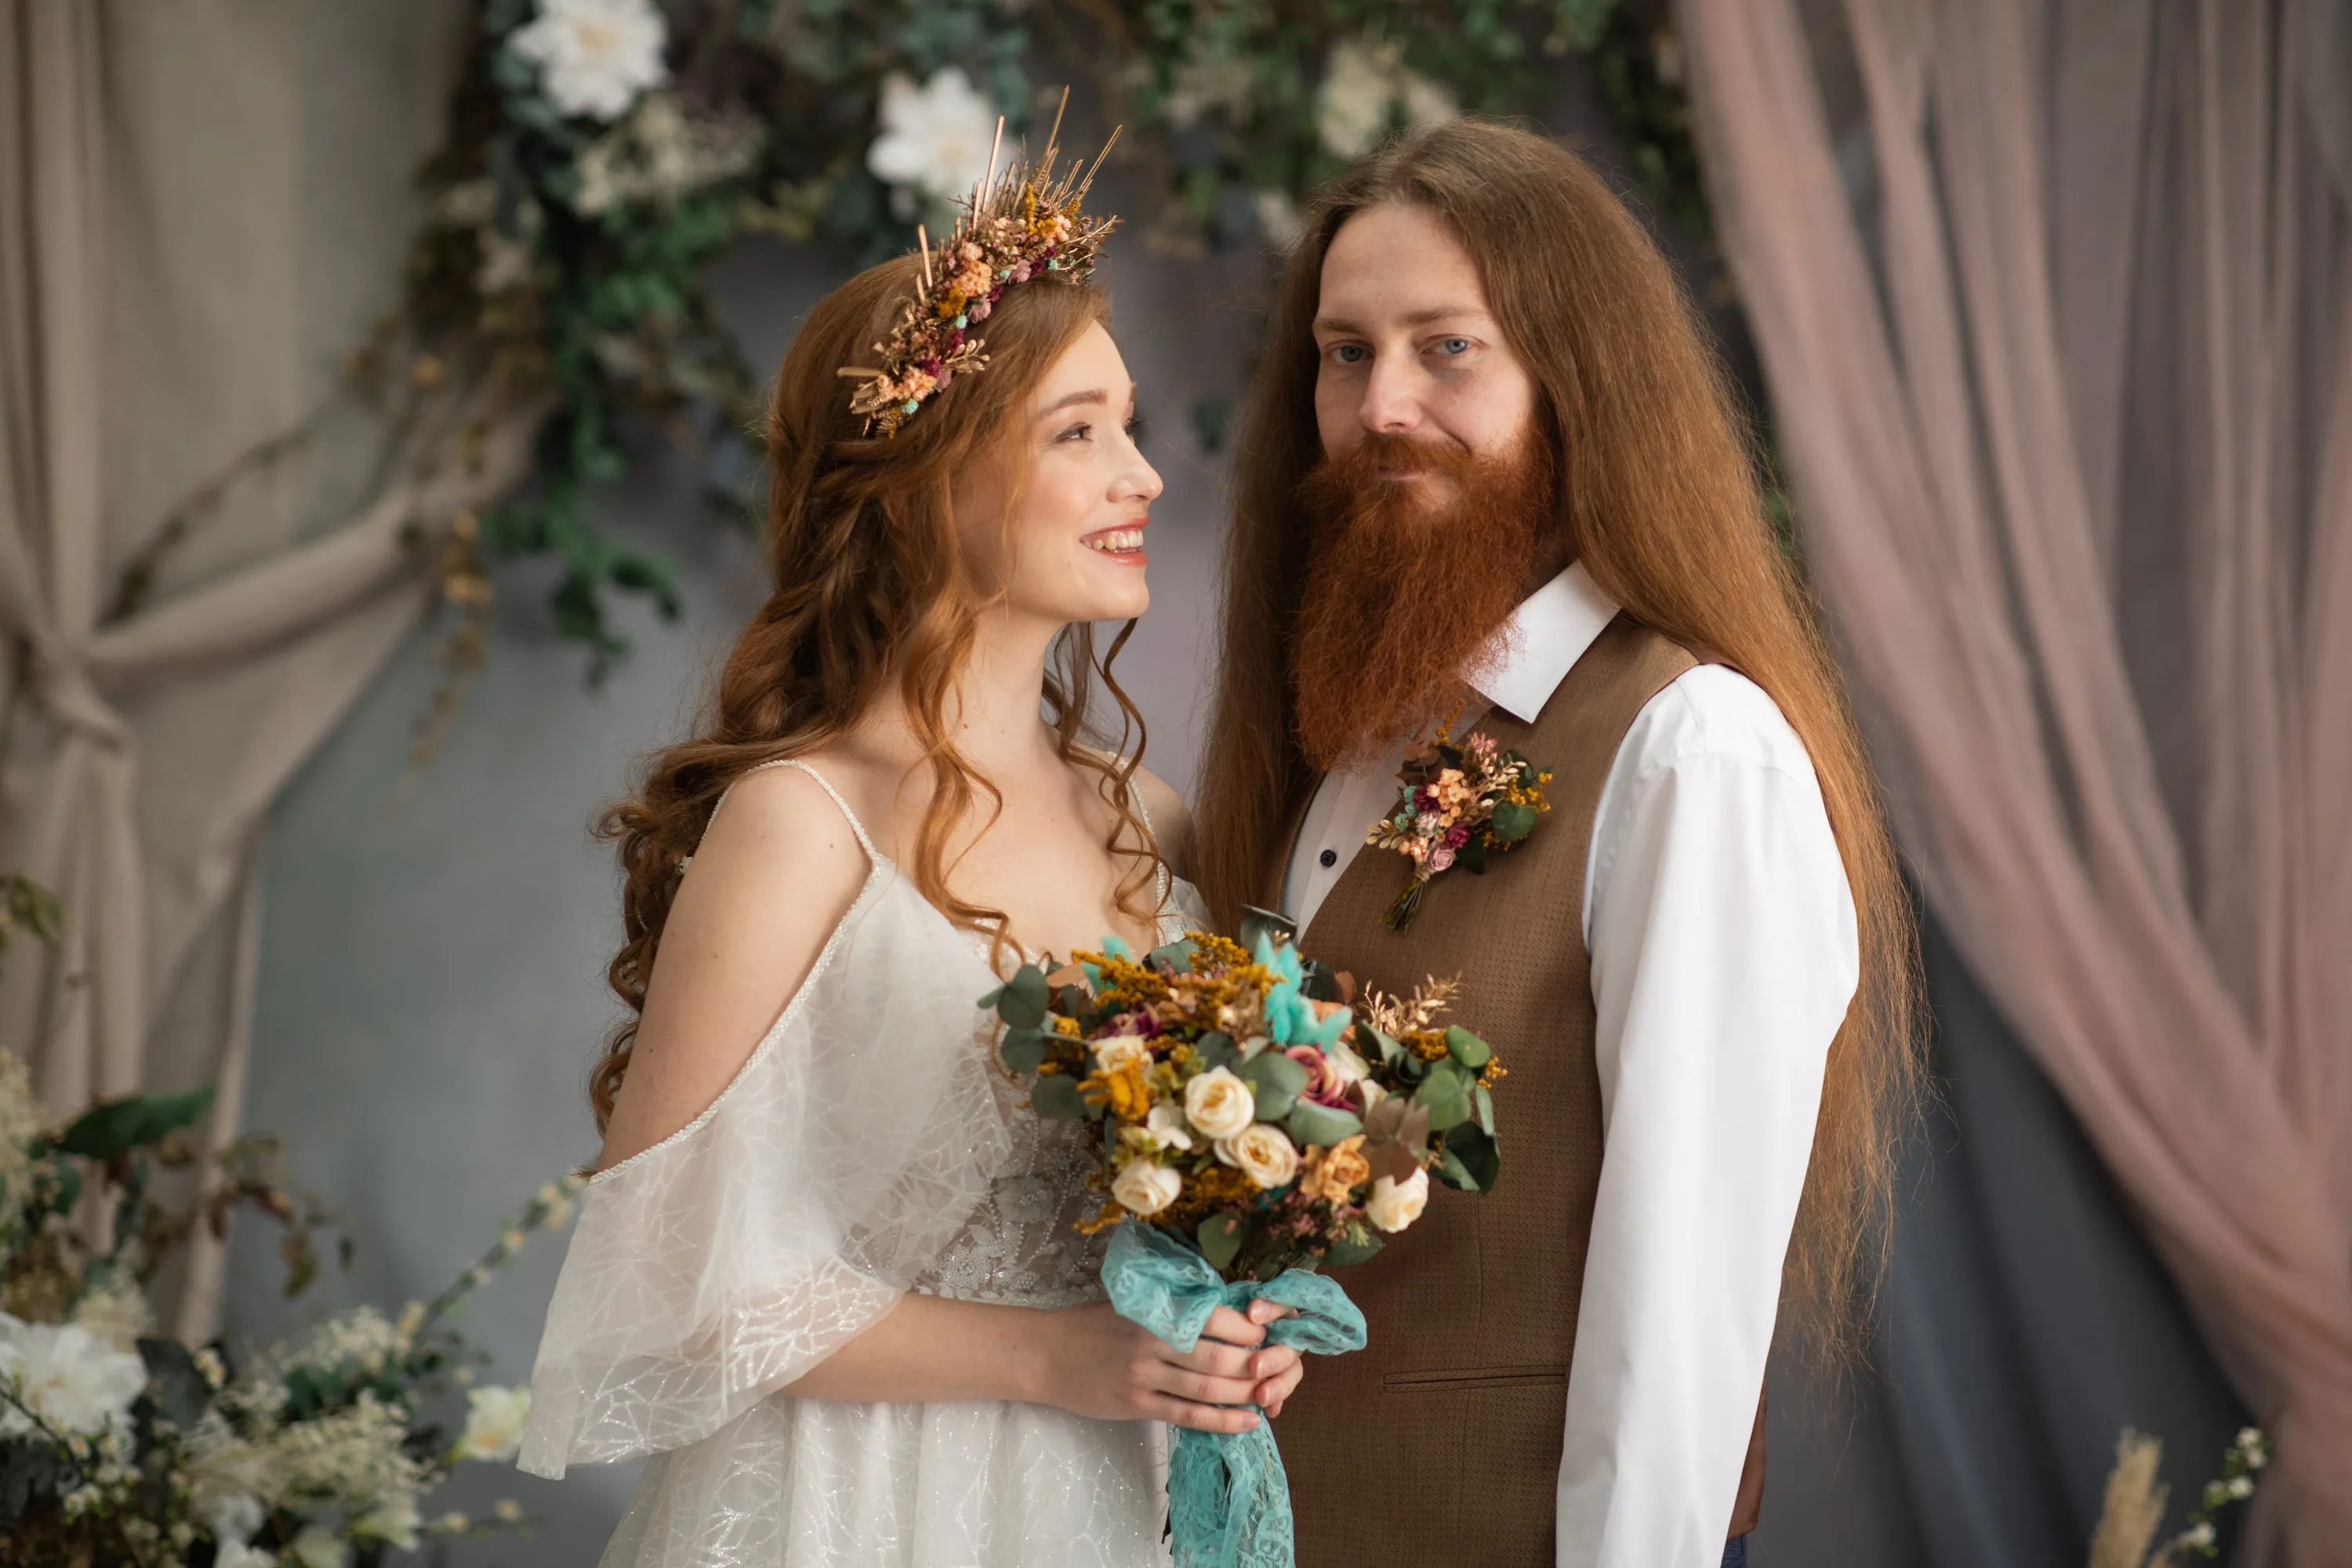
pixel 1454 345
pixel 1348 353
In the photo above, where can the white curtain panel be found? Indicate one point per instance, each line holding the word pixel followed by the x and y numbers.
pixel 202 207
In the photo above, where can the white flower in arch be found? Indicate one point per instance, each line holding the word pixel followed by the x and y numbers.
pixel 935 138
pixel 595 57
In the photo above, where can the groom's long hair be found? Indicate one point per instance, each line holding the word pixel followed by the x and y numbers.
pixel 1658 497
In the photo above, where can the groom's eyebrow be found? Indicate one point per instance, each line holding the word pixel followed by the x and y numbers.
pixel 1413 319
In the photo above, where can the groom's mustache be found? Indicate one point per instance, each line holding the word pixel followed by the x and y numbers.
pixel 1406 584
pixel 1383 460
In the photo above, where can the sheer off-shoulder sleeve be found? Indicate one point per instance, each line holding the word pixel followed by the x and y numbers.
pixel 731 1258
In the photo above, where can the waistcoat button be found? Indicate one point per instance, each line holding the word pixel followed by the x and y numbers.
pixel 1329 857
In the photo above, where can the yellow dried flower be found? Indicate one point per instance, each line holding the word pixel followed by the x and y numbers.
pixel 1124 1091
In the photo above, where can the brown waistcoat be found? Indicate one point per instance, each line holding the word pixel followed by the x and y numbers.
pixel 1440 1441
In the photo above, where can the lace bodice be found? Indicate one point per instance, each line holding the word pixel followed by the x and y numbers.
pixel 871 1145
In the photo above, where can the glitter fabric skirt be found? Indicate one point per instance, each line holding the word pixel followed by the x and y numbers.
pixel 804 1483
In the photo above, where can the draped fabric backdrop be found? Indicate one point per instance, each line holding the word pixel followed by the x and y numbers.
pixel 2051 299
pixel 195 221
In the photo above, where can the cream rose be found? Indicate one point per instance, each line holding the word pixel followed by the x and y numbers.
pixel 1263 1152
pixel 1219 1104
pixel 1119 1050
pixel 1145 1187
pixel 1395 1204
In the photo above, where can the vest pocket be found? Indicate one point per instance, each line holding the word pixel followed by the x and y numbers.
pixel 1482 1377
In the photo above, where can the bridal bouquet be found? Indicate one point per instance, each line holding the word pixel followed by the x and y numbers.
pixel 1252 1126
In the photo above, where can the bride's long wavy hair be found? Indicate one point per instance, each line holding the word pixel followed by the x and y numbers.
pixel 872 603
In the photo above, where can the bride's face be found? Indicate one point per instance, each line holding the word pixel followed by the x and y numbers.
pixel 1072 549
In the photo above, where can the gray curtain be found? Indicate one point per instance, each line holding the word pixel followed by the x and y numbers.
pixel 2055 298
pixel 2026 1321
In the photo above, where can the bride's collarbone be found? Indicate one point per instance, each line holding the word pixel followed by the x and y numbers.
pixel 1059 894
pixel 1041 855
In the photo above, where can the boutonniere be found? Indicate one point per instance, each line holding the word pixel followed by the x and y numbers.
pixel 1457 805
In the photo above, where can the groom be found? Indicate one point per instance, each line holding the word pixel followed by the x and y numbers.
pixel 1489 475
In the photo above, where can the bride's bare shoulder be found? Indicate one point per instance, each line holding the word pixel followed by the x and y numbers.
pixel 777 869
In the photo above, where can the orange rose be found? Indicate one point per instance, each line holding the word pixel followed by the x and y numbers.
pixel 1332 1174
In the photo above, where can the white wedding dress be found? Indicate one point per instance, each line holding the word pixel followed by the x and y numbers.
pixel 869 1146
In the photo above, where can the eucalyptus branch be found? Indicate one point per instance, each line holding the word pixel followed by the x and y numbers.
pixel 551 1209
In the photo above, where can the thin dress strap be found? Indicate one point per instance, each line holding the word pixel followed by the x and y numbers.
pixel 823 783
pixel 1135 797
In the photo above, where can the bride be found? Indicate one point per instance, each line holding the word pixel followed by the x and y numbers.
pixel 828 1274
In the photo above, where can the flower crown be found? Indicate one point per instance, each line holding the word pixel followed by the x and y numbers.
pixel 1014 227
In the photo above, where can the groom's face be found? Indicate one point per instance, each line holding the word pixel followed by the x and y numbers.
pixel 1426 514
pixel 1408 352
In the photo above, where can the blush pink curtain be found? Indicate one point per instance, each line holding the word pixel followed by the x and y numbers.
pixel 2055 300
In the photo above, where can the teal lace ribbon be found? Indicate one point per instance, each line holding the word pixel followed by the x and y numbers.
pixel 1228 1498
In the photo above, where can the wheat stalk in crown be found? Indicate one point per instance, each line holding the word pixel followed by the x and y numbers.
pixel 1015 224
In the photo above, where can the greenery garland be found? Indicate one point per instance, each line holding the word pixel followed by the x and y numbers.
pixel 601 153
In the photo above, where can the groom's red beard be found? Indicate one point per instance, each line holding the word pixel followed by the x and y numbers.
pixel 1405 590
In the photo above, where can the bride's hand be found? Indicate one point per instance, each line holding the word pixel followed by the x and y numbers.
pixel 1099 1364
pixel 1279 1385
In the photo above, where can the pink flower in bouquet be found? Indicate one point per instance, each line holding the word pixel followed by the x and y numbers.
pixel 1324 1084
pixel 1441 858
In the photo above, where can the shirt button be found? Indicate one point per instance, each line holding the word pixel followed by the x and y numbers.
pixel 1329 857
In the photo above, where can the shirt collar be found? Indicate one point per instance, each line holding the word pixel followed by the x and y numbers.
pixel 1542 641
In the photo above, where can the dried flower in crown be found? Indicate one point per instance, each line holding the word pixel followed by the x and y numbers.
pixel 1016 225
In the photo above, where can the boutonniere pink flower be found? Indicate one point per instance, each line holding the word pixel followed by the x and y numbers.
pixel 1457 805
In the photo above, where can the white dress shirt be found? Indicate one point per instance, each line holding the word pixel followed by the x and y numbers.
pixel 1724 954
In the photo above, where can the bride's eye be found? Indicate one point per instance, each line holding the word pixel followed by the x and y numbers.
pixel 1077 433
pixel 1136 427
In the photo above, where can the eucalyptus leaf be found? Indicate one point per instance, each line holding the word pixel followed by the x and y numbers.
pixel 1056 1098
pixel 1472 857
pixel 1474 1150
pixel 1360 1243
pixel 1176 955
pixel 1445 1095
pixel 1022 1001
pixel 1276 1080
pixel 1466 1047
pixel 1453 1173
pixel 1219 1236
pixel 1023 1050
pixel 1485 1100
pixel 1275 1069
pixel 1511 822
pixel 1311 1123
pixel 1317 981
pixel 1216 1049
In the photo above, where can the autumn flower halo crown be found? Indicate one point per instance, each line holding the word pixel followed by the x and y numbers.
pixel 1015 225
